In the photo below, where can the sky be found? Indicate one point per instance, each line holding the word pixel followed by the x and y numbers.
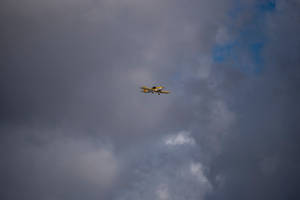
pixel 74 124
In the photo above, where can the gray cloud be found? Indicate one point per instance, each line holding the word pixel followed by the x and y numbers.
pixel 74 125
pixel 172 171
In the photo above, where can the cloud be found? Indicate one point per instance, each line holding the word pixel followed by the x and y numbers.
pixel 197 170
pixel 60 168
pixel 182 138
pixel 222 36
pixel 164 173
pixel 75 126
pixel 99 167
pixel 163 192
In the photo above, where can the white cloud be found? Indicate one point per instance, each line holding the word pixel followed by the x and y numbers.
pixel 169 175
pixel 196 169
pixel 182 138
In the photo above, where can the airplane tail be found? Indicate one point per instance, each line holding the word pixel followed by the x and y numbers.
pixel 165 92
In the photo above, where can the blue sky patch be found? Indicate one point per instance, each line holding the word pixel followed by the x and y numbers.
pixel 267 5
pixel 223 52
pixel 245 51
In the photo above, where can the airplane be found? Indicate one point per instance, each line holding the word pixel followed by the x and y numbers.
pixel 155 89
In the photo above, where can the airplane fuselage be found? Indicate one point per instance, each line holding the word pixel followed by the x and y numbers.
pixel 155 89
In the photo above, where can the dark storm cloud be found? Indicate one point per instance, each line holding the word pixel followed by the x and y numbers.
pixel 74 126
pixel 260 157
pixel 71 62
pixel 70 76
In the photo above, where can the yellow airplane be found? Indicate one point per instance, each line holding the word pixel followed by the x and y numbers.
pixel 154 89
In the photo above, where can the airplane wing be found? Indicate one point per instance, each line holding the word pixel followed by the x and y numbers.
pixel 164 92
pixel 145 88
